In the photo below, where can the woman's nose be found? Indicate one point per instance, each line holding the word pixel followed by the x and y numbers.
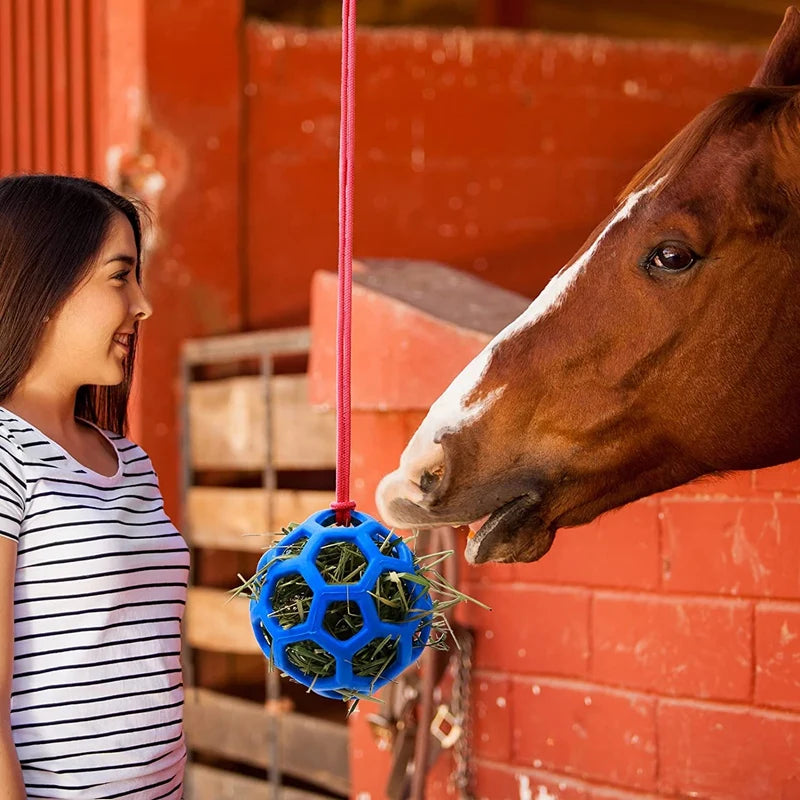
pixel 140 305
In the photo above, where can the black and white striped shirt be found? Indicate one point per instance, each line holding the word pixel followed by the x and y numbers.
pixel 100 589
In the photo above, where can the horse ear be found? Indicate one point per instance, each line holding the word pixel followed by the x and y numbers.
pixel 781 65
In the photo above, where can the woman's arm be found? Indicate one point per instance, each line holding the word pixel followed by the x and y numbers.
pixel 11 786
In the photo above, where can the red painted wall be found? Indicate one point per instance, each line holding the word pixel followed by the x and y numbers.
pixel 490 151
pixel 191 129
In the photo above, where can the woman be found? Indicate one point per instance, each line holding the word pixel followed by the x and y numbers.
pixel 92 572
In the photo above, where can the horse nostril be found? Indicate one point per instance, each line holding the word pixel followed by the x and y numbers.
pixel 429 480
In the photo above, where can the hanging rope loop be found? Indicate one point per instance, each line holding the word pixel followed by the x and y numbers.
pixel 343 505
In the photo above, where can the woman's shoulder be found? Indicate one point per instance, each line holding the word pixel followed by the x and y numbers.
pixel 10 442
pixel 12 460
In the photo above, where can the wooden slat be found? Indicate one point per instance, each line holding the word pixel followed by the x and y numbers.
pixel 227 422
pixel 228 519
pixel 301 437
pixel 239 519
pixel 240 730
pixel 246 345
pixel 208 783
pixel 227 425
pixel 290 506
pixel 214 623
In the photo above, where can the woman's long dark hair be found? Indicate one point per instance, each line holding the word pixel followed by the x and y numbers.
pixel 52 228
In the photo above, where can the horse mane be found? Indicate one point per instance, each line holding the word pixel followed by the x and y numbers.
pixel 734 110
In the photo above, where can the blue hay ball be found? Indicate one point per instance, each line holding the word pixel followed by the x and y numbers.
pixel 368 535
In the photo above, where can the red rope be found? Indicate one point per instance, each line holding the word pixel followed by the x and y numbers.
pixel 343 505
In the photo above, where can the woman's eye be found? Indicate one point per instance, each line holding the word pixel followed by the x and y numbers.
pixel 672 257
pixel 122 276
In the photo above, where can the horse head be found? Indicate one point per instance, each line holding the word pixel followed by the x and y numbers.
pixel 666 350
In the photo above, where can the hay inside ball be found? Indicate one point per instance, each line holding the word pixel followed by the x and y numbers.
pixel 342 610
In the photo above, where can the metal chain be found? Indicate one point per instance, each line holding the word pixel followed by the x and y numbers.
pixel 462 711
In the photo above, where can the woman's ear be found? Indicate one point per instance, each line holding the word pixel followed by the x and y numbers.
pixel 781 65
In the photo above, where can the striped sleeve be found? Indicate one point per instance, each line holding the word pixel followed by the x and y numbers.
pixel 12 490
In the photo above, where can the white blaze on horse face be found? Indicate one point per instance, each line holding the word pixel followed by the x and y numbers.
pixel 451 411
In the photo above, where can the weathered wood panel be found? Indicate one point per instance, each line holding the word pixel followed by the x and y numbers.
pixel 216 621
pixel 208 783
pixel 228 419
pixel 240 730
pixel 228 518
pixel 302 438
pixel 239 519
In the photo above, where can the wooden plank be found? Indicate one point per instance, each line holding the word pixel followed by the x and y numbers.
pixel 208 783
pixel 246 345
pixel 228 518
pixel 297 506
pixel 227 422
pixel 213 622
pixel 302 438
pixel 240 730
pixel 239 519
pixel 227 425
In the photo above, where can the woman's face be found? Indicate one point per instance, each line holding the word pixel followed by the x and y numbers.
pixel 86 342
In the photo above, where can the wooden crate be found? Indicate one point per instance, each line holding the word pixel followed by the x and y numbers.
pixel 236 427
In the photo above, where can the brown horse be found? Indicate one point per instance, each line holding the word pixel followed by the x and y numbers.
pixel 667 349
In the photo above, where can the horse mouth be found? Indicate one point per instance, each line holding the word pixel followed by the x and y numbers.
pixel 513 533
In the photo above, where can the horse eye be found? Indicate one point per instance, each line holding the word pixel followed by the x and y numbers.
pixel 672 257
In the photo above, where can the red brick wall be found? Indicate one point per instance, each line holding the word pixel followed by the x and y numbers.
pixel 660 650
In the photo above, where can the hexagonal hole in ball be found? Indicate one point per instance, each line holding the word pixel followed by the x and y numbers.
pixel 376 656
pixel 311 658
pixel 343 619
pixel 341 562
pixel 291 600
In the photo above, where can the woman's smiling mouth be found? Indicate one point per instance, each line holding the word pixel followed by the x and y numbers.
pixel 123 340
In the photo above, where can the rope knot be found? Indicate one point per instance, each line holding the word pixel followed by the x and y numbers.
pixel 343 509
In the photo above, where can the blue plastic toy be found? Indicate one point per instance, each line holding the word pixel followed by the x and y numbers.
pixel 382 558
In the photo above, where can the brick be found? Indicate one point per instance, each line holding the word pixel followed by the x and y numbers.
pixel 695 647
pixel 740 548
pixel 542 629
pixel 728 753
pixel 785 478
pixel 619 549
pixel 491 715
pixel 778 655
pixel 609 793
pixel 496 782
pixel 585 730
